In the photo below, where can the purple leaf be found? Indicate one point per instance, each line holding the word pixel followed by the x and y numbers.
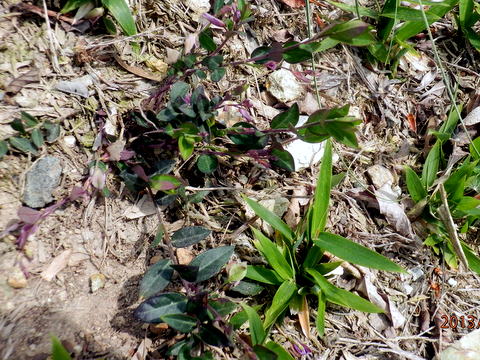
pixel 76 193
pixel 126 154
pixel 28 216
pixel 245 114
pixel 271 65
pixel 213 20
pixel 26 231
pixel 138 169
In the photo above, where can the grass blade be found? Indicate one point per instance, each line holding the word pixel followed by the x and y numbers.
pixel 279 303
pixel 322 192
pixel 341 296
pixel 414 185
pixel 265 214
pixel 430 168
pixel 274 257
pixel 356 254
pixel 255 324
pixel 122 14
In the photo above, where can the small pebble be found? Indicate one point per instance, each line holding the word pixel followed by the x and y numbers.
pixel 70 141
pixel 97 281
pixel 17 279
pixel 155 259
pixel 452 282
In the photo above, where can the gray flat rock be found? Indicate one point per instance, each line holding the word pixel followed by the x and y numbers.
pixel 42 178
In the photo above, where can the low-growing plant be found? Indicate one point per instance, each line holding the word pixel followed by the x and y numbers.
pixel 32 135
pixel 299 259
pixel 397 22
pixel 95 9
pixel 58 350
pixel 449 200
pixel 198 313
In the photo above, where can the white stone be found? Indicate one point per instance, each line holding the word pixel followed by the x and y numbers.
pixel 70 141
pixel 452 282
pixel 284 86
pixel 467 348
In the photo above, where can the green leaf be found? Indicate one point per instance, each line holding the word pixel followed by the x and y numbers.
pixel 164 182
pixel 217 74
pixel 286 119
pixel 279 350
pixel 472 258
pixel 109 26
pixel 237 272
pixel 28 120
pixel 322 192
pixel 352 252
pixel 3 148
pixel 122 14
pixel 274 257
pixel 296 55
pixel 211 262
pixel 179 90
pixel 17 125
pixel 354 32
pixel 248 288
pixel 72 5
pixel 257 332
pixel 223 306
pixel 151 310
pixel 37 137
pixel 22 144
pixel 156 278
pixel 432 162
pixel 283 159
pixel 343 132
pixel 180 322
pixel 53 131
pixel 271 218
pixel 263 353
pixel 412 28
pixel 279 303
pixel 207 164
pixel 363 11
pixel 414 184
pixel 213 336
pixel 186 272
pixel 206 41
pixel 58 351
pixel 189 235
pixel 475 148
pixel 186 146
pixel 255 140
pixel 158 236
pixel 341 296
pixel 320 319
pixel 264 275
pixel 213 62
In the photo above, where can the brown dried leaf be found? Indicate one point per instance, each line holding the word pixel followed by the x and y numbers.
pixel 184 256
pixel 19 83
pixel 304 317
pixel 138 71
pixel 294 3
pixel 57 265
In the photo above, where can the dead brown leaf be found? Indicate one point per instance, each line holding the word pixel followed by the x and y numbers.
pixel 294 3
pixel 19 82
pixel 57 265
pixel 304 317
